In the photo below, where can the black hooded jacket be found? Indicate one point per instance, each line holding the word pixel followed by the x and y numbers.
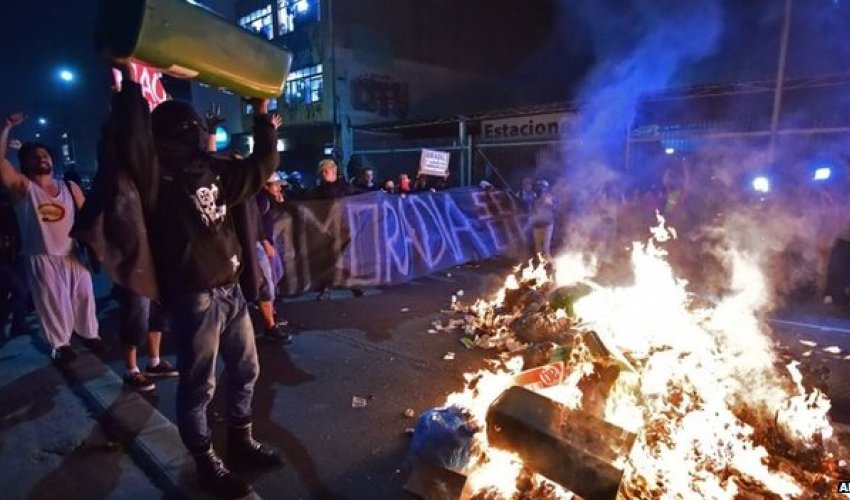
pixel 187 200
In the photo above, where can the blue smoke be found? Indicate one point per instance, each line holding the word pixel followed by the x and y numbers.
pixel 638 46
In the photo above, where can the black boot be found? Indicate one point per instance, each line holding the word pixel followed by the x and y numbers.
pixel 215 477
pixel 244 450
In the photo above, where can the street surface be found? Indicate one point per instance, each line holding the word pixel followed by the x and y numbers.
pixel 376 347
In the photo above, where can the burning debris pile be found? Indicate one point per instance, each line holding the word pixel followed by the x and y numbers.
pixel 669 399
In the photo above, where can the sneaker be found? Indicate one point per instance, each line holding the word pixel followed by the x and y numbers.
pixel 358 291
pixel 139 381
pixel 278 332
pixel 64 355
pixel 324 294
pixel 163 369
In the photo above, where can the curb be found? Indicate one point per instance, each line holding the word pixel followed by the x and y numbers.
pixel 153 440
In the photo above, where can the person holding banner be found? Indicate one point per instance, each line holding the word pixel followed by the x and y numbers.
pixel 332 185
pixel 198 258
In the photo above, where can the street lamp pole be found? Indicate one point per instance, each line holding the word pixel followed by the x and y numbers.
pixel 780 79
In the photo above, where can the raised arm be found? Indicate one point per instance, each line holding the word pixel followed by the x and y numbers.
pixel 14 181
pixel 213 119
pixel 243 178
pixel 131 139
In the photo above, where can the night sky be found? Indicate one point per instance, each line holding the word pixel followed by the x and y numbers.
pixel 38 37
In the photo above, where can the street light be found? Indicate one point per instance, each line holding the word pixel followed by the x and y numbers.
pixel 66 75
pixel 42 121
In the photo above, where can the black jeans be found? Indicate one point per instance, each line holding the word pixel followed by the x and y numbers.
pixel 138 316
pixel 204 325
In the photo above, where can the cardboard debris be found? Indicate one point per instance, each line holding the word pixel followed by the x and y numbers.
pixel 809 343
pixel 449 356
pixel 833 349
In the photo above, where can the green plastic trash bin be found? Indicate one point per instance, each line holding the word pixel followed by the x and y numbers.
pixel 188 41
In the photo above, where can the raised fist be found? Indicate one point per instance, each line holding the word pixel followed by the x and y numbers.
pixel 15 119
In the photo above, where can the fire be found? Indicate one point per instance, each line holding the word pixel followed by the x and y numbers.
pixel 714 411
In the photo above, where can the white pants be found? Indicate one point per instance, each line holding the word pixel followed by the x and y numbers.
pixel 63 295
pixel 543 240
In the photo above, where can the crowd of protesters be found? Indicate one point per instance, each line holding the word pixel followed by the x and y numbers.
pixel 187 236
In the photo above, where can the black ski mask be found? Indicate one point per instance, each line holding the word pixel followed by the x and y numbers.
pixel 178 131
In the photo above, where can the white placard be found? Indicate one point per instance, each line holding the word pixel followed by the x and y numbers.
pixel 435 163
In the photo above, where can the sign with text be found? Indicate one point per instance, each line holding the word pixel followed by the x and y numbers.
pixel 434 163
pixel 551 126
pixel 149 79
pixel 383 239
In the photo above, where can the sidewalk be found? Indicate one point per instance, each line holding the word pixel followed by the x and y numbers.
pixel 51 444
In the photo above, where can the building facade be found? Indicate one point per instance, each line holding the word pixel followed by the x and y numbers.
pixel 363 62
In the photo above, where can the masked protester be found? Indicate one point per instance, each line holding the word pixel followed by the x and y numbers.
pixel 198 257
pixel 61 284
pixel 404 184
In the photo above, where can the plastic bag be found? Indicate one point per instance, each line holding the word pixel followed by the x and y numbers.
pixel 443 437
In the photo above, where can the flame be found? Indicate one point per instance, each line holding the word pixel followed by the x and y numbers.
pixel 702 387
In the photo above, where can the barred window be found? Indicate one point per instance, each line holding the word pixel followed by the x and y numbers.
pixel 304 86
pixel 259 21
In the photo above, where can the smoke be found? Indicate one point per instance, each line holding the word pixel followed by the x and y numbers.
pixel 636 53
pixel 647 46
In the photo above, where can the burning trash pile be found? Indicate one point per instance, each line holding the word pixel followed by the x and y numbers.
pixel 636 392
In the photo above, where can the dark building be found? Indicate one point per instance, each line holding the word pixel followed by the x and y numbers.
pixel 362 62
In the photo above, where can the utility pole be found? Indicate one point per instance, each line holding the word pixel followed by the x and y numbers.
pixel 334 105
pixel 780 79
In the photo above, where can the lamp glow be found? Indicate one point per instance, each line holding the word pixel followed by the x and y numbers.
pixel 761 184
pixel 823 173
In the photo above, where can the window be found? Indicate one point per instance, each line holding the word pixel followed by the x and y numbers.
pixel 294 13
pixel 259 21
pixel 285 17
pixel 304 86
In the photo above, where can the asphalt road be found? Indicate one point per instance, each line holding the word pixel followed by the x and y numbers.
pixel 378 348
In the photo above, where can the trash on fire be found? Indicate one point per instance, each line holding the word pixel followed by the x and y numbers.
pixel 443 437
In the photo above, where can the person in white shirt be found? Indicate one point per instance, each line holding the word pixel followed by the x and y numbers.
pixel 45 207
